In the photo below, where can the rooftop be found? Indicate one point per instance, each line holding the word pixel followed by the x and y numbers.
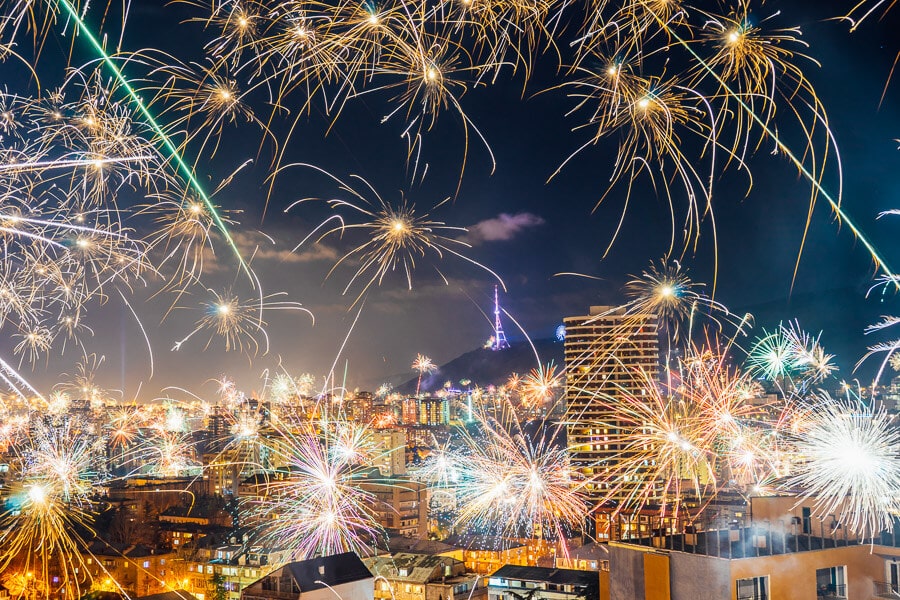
pixel 590 551
pixel 399 543
pixel 756 540
pixel 412 568
pixel 483 542
pixel 173 595
pixel 547 574
pixel 316 573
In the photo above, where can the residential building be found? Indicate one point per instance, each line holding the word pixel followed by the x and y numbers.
pixel 485 554
pixel 785 553
pixel 589 557
pixel 513 582
pixel 430 411
pixel 221 474
pixel 404 576
pixel 322 578
pixel 138 570
pixel 359 406
pixel 608 353
pixel 390 451
pixel 400 504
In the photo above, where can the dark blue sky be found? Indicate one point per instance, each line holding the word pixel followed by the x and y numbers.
pixel 759 233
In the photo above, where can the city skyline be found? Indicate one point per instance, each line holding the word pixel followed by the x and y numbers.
pixel 260 211
pixel 524 229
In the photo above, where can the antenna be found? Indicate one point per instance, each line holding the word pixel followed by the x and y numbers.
pixel 500 342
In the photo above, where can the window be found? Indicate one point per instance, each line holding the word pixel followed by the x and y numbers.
pixel 146 564
pixel 753 588
pixel 831 582
pixel 892 573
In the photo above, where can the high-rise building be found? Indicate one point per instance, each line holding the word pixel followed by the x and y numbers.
pixel 390 451
pixel 609 353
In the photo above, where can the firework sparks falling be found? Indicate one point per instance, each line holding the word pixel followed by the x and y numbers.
pixel 517 481
pixel 312 504
pixel 396 238
pixel 48 510
pixel 848 463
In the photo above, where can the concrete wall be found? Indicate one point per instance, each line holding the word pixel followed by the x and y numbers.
pixel 793 576
pixel 695 576
pixel 778 511
pixel 626 573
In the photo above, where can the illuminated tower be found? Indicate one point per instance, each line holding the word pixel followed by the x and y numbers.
pixel 603 352
pixel 500 342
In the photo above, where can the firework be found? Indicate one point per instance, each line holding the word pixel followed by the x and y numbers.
pixel 790 354
pixel 654 117
pixel 442 469
pixel 312 505
pixel 702 429
pixel 865 9
pixel 165 453
pixel 48 514
pixel 423 365
pixel 537 389
pixel 848 463
pixel 755 67
pixel 667 291
pixel 517 481
pixel 811 359
pixel 772 357
pixel 239 323
pixel 396 238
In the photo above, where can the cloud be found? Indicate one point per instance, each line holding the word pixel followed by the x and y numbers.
pixel 502 228
pixel 263 248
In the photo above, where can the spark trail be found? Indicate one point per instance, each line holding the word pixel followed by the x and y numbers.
pixel 782 147
pixel 166 142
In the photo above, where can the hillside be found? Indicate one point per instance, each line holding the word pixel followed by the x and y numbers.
pixel 484 367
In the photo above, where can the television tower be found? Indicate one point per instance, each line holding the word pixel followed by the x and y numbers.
pixel 500 342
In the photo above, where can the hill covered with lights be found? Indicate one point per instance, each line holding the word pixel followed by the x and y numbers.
pixel 485 366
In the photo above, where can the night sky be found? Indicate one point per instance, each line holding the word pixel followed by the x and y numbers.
pixel 520 225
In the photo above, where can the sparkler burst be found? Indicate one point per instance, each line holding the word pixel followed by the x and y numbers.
pixel 396 238
pixel 312 504
pixel 516 481
pixel 48 513
pixel 849 464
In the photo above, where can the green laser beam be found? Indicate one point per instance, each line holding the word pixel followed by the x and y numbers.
pixel 879 262
pixel 186 170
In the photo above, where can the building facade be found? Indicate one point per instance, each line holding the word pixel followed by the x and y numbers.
pixel 320 578
pixel 543 583
pixel 404 576
pixel 608 353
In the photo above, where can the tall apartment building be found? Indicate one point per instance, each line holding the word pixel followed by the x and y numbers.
pixel 608 354
pixel 390 451
pixel 400 504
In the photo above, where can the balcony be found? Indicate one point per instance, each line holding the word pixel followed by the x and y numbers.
pixel 762 596
pixel 832 592
pixel 884 589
